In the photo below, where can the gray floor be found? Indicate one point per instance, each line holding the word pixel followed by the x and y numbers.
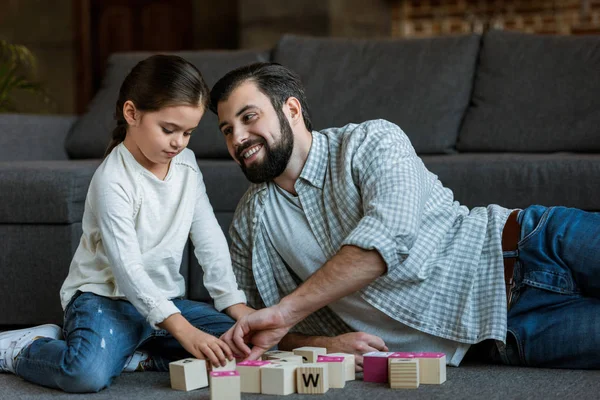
pixel 470 381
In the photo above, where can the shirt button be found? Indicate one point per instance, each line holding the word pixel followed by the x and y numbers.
pixel 254 220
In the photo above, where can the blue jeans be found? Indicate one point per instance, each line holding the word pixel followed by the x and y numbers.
pixel 554 320
pixel 100 334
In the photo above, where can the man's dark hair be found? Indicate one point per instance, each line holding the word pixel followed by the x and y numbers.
pixel 274 80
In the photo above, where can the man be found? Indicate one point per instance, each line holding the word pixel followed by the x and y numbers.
pixel 352 244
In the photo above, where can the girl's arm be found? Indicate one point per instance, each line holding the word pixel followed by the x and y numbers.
pixel 211 250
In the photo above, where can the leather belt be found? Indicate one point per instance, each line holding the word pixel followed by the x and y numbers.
pixel 510 239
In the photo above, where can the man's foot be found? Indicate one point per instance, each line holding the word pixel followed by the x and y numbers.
pixel 13 342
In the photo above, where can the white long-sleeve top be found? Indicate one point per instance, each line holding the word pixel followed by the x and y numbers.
pixel 135 227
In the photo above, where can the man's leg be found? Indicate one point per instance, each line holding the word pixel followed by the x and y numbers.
pixel 100 334
pixel 555 317
pixel 164 349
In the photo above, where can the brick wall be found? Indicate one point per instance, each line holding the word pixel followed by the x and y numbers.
pixel 424 18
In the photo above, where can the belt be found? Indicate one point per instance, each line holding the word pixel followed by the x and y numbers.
pixel 510 238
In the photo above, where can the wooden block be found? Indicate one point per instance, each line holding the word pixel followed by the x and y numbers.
pixel 230 366
pixel 375 366
pixel 279 379
pixel 276 354
pixel 250 375
pixel 310 354
pixel 312 378
pixel 404 373
pixel 349 363
pixel 188 374
pixel 432 366
pixel 225 385
pixel 337 370
pixel 293 359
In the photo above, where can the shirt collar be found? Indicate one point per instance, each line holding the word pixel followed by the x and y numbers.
pixel 316 164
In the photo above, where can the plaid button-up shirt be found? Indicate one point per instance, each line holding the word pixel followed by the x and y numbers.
pixel 364 185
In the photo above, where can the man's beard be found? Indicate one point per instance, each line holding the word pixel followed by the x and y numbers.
pixel 275 159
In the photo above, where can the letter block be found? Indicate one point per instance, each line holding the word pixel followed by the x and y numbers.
pixel 337 370
pixel 279 379
pixel 312 378
pixel 230 366
pixel 276 354
pixel 432 366
pixel 188 374
pixel 349 363
pixel 250 375
pixel 225 385
pixel 294 360
pixel 404 373
pixel 375 366
pixel 310 354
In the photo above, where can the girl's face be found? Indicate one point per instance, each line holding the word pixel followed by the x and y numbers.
pixel 155 137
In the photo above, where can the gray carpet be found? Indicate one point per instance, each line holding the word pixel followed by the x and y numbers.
pixel 470 381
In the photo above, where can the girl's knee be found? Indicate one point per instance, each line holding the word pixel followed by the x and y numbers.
pixel 85 378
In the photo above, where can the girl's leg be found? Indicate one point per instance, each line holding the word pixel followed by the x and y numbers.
pixel 100 334
pixel 203 316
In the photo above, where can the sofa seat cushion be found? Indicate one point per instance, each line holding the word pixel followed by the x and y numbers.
pixel 535 93
pixel 422 85
pixel 91 134
pixel 44 192
pixel 518 180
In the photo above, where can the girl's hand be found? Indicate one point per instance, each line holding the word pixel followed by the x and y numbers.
pixel 199 344
pixel 237 311
pixel 204 346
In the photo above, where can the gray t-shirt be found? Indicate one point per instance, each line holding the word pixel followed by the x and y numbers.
pixel 290 234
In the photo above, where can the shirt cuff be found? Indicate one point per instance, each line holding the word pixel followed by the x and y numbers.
pixel 371 234
pixel 162 311
pixel 229 299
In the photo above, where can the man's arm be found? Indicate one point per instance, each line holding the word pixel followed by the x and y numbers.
pixel 351 269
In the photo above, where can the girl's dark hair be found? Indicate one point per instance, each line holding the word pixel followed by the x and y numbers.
pixel 158 81
pixel 275 81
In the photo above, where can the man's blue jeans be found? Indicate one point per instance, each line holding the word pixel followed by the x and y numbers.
pixel 554 320
pixel 100 334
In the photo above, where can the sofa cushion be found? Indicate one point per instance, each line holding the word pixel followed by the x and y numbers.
pixel 91 134
pixel 535 93
pixel 422 85
pixel 517 180
pixel 44 192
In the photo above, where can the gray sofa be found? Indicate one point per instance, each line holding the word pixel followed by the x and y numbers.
pixel 502 118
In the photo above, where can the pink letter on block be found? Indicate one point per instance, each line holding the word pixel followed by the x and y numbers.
pixel 253 363
pixel 329 359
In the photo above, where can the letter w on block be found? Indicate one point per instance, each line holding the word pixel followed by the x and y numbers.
pixel 312 378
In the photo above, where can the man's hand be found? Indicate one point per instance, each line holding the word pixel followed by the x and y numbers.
pixel 357 343
pixel 263 329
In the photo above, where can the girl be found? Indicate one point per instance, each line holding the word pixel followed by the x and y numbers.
pixel 124 288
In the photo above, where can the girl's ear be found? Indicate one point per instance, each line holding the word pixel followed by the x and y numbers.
pixel 130 113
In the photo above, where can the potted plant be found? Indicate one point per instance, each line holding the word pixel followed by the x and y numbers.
pixel 18 68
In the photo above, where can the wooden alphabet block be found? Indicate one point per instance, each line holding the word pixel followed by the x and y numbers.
pixel 250 375
pixel 278 379
pixel 375 366
pixel 293 359
pixel 225 385
pixel 337 370
pixel 404 373
pixel 230 366
pixel 349 363
pixel 312 378
pixel 188 374
pixel 276 354
pixel 310 354
pixel 432 366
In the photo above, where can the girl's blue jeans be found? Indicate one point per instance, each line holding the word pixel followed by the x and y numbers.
pixel 554 320
pixel 100 334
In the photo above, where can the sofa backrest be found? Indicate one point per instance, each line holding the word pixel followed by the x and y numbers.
pixel 90 136
pixel 422 85
pixel 535 93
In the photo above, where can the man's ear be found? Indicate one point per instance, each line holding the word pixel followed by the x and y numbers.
pixel 295 110
pixel 131 114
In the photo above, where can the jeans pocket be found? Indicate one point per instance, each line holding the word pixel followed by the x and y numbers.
pixel 524 222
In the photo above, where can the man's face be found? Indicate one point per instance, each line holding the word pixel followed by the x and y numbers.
pixel 259 138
